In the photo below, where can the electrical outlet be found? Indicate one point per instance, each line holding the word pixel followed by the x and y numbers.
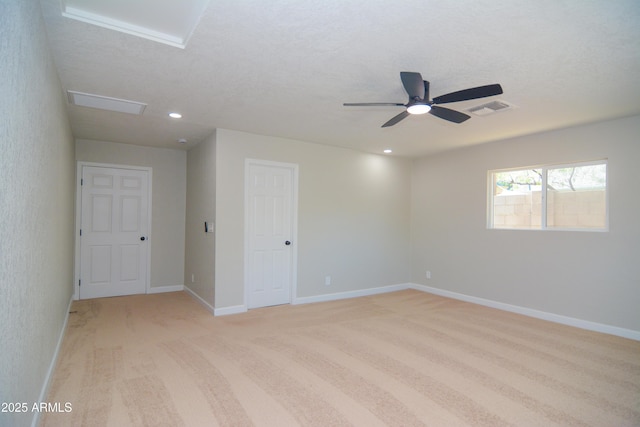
pixel 193 278
pixel 327 280
pixel 428 274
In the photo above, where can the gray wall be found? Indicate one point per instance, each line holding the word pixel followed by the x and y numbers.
pixel 36 207
pixel 593 276
pixel 168 200
pixel 353 215
pixel 201 203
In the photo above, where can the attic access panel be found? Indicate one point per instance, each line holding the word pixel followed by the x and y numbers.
pixel 166 21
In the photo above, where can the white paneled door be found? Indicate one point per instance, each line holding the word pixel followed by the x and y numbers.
pixel 271 193
pixel 114 240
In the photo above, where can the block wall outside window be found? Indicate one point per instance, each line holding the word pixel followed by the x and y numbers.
pixel 567 197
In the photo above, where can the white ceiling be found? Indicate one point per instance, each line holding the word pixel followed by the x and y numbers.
pixel 284 68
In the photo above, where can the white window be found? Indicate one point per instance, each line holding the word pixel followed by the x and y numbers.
pixel 559 197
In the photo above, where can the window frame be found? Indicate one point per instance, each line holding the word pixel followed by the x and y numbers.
pixel 544 208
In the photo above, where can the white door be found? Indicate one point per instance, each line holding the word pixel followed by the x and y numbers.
pixel 270 227
pixel 114 231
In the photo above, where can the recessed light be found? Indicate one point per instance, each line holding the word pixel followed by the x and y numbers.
pixel 388 151
pixel 182 141
pixel 175 115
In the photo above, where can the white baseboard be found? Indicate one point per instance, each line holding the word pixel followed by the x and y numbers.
pixel 223 311
pixel 557 318
pixel 234 309
pixel 52 365
pixel 200 300
pixel 552 317
pixel 163 289
pixel 350 294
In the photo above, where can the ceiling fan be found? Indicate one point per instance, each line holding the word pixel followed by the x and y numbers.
pixel 419 102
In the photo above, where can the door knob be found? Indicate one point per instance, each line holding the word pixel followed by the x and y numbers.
pixel 143 238
pixel 287 243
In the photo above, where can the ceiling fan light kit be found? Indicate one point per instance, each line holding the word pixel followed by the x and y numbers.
pixel 418 109
pixel 419 102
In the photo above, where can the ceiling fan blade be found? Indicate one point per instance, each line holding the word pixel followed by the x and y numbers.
pixel 473 93
pixel 448 114
pixel 396 119
pixel 373 104
pixel 413 84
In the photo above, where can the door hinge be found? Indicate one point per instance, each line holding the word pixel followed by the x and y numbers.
pixel 80 282
pixel 81 231
pixel 81 181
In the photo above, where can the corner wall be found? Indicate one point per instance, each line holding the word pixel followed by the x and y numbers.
pixel 593 276
pixel 200 248
pixel 36 208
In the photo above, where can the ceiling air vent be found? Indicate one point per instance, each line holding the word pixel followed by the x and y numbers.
pixel 489 108
pixel 105 103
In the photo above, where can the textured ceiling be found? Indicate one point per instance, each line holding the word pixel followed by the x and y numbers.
pixel 284 68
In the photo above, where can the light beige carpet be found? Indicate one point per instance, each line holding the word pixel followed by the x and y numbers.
pixel 400 359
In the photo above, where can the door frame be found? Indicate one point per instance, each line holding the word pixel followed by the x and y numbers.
pixel 294 224
pixel 78 220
